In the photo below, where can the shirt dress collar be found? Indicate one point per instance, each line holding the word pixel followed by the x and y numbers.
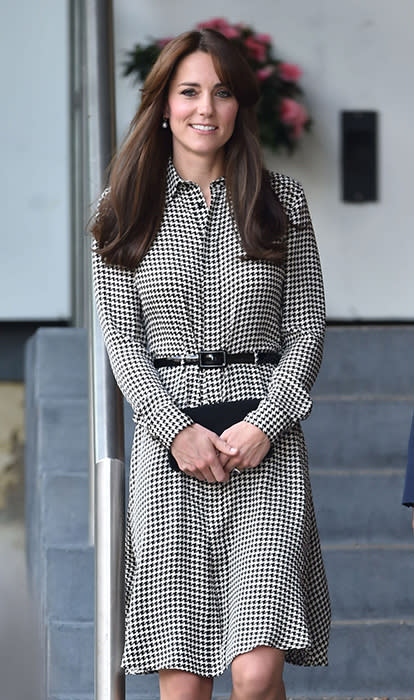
pixel 175 182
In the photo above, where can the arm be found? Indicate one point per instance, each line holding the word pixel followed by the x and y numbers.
pixel 303 330
pixel 408 494
pixel 120 318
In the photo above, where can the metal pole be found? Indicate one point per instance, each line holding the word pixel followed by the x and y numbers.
pixel 108 474
pixel 80 195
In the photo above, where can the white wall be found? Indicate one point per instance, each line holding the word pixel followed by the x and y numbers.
pixel 34 175
pixel 356 54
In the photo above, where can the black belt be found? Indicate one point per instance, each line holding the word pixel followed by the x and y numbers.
pixel 208 359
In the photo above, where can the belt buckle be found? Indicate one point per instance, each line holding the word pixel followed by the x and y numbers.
pixel 212 358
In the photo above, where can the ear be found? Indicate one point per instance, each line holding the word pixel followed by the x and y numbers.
pixel 166 112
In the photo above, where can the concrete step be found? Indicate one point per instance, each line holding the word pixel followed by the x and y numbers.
pixel 367 360
pixel 359 432
pixel 70 583
pixel 366 660
pixel 63 435
pixel 360 505
pixel 66 509
pixel 57 359
pixel 370 581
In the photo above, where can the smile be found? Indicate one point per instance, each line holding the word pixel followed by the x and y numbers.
pixel 203 127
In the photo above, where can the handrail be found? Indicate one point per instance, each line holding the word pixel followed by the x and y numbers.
pixel 107 480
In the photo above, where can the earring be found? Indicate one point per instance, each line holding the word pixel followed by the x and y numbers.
pixel 164 123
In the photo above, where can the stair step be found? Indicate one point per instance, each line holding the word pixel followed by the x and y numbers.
pixel 66 509
pixel 359 432
pixel 361 505
pixel 63 430
pixel 370 582
pixel 70 584
pixel 367 359
pixel 59 361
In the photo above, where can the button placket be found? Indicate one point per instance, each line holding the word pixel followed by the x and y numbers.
pixel 211 283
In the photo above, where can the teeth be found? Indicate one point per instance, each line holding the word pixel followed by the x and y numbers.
pixel 203 127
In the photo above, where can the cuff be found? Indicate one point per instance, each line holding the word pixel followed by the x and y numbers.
pixel 166 423
pixel 274 415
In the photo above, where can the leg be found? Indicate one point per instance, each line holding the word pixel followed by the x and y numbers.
pixel 181 685
pixel 257 675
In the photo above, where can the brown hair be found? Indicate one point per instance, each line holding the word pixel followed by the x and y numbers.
pixel 131 214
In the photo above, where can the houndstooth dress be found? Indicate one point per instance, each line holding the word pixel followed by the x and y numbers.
pixel 214 570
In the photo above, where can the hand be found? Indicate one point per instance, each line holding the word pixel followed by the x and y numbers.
pixel 252 443
pixel 197 452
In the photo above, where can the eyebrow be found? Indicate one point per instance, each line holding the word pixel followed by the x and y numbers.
pixel 198 84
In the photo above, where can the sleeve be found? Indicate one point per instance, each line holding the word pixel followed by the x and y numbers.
pixel 302 330
pixel 408 494
pixel 119 313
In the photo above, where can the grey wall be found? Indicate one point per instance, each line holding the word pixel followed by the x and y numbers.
pixel 34 177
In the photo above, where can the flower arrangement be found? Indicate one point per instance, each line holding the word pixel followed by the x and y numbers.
pixel 282 118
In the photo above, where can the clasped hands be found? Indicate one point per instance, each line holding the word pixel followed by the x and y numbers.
pixel 209 457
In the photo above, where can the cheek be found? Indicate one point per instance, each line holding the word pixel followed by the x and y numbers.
pixel 230 116
pixel 177 110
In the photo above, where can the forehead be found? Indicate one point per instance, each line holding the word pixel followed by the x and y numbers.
pixel 196 67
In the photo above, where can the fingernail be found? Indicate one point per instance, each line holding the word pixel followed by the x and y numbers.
pixel 233 449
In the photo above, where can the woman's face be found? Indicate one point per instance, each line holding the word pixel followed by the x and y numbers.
pixel 201 110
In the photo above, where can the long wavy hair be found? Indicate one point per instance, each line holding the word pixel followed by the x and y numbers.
pixel 131 213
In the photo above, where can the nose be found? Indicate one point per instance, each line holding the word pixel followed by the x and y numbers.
pixel 205 106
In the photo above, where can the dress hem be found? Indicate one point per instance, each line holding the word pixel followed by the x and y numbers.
pixel 323 662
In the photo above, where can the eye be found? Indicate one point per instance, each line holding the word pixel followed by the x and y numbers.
pixel 188 92
pixel 223 92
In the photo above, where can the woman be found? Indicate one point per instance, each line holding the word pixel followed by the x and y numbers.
pixel 209 290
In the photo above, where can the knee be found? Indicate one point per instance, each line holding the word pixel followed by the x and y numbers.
pixel 257 675
pixel 181 685
pixel 250 683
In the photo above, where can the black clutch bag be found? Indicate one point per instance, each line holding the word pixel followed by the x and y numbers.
pixel 218 417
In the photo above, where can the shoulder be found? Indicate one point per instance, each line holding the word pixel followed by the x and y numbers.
pixel 289 191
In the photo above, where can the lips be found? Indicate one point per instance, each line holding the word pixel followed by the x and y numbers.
pixel 206 128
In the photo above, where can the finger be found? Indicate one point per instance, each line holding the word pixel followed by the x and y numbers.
pixel 216 468
pixel 208 475
pixel 224 446
pixel 232 464
pixel 192 471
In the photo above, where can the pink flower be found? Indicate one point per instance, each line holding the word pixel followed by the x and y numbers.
pixel 294 115
pixel 289 72
pixel 164 42
pixel 256 49
pixel 230 32
pixel 265 73
pixel 217 23
pixel 220 25
pixel 263 38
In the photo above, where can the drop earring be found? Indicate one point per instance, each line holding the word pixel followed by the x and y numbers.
pixel 164 123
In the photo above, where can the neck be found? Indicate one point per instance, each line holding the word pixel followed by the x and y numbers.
pixel 200 169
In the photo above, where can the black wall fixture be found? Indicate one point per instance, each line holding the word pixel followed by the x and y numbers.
pixel 359 156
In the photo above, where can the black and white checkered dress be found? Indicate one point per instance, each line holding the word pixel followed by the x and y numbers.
pixel 214 570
